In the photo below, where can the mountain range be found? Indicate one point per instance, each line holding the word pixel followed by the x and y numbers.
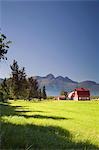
pixel 54 85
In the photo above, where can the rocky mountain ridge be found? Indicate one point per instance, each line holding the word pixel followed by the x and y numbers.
pixel 54 85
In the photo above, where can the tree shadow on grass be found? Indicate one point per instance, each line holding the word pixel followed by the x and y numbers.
pixel 44 117
pixel 34 137
pixel 24 111
pixel 39 137
pixel 8 110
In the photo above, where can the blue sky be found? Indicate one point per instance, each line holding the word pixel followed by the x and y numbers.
pixel 59 37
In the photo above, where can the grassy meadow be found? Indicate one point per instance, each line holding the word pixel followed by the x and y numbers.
pixel 49 125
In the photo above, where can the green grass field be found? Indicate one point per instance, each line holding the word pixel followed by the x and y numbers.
pixel 49 125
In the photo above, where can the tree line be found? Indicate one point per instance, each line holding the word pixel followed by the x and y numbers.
pixel 18 86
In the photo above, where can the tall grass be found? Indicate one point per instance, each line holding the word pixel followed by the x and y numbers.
pixel 49 125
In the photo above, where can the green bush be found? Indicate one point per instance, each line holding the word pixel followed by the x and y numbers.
pixel 1 97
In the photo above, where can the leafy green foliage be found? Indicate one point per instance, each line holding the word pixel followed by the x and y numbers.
pixel 4 45
pixel 64 93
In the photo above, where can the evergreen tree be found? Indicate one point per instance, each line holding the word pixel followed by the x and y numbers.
pixel 18 80
pixel 44 95
pixel 33 88
pixel 22 83
pixel 15 79
pixel 39 94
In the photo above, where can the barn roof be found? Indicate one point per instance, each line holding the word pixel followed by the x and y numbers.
pixel 81 89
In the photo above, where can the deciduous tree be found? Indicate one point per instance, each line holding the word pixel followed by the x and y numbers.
pixel 64 93
pixel 4 45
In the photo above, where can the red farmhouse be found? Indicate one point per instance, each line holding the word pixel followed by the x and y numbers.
pixel 80 94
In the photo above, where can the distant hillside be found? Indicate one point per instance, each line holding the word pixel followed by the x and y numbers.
pixel 56 84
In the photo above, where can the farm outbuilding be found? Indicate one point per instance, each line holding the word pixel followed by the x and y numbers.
pixel 61 97
pixel 79 94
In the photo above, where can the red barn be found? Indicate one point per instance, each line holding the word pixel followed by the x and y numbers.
pixel 80 94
